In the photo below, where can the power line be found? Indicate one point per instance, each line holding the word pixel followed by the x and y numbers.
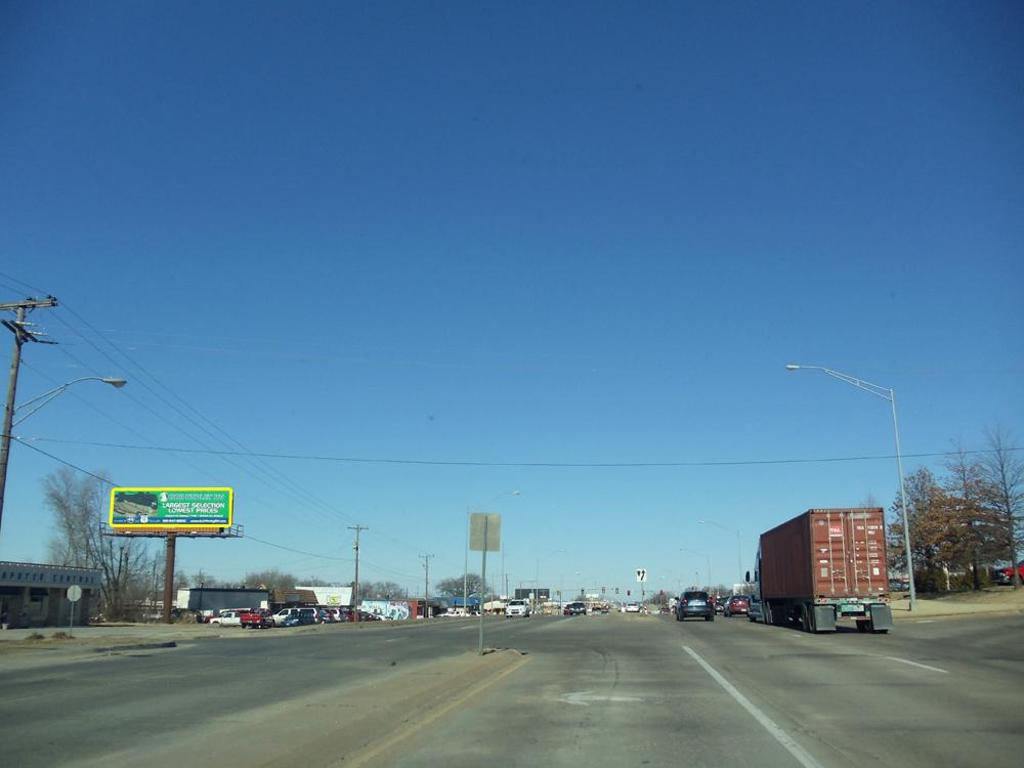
pixel 526 464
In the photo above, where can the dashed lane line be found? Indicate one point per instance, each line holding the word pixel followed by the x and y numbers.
pixel 802 755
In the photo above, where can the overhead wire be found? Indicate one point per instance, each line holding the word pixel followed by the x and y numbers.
pixel 540 464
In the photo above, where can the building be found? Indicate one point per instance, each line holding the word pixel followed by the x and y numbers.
pixel 208 600
pixel 35 594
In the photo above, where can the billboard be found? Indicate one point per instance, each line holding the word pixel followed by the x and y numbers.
pixel 161 508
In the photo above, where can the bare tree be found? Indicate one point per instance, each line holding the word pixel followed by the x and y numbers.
pixel 452 587
pixel 1003 472
pixel 78 504
pixel 975 525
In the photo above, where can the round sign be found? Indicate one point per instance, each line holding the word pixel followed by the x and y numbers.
pixel 74 593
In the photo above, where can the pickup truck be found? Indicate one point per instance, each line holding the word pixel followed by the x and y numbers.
pixel 258 619
pixel 228 618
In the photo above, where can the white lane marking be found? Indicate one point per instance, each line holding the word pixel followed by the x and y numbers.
pixel 925 621
pixel 802 756
pixel 583 698
pixel 916 664
pixel 472 626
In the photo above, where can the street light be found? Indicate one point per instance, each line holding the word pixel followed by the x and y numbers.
pixel 705 556
pixel 40 401
pixel 46 397
pixel 739 544
pixel 465 567
pixel 536 573
pixel 886 393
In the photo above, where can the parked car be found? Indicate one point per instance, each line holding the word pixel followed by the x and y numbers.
pixel 284 613
pixel 291 620
pixel 517 608
pixel 1004 575
pixel 737 605
pixel 575 609
pixel 258 619
pixel 227 618
pixel 695 604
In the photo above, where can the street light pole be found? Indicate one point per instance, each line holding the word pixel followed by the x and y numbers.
pixel 706 557
pixel 39 400
pixel 739 545
pixel 886 393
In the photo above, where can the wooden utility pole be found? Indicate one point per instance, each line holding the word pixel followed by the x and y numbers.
pixel 355 584
pixel 426 585
pixel 22 333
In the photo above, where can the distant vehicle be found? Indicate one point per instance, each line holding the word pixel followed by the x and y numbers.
pixel 754 612
pixel 737 605
pixel 632 608
pixel 695 604
pixel 291 620
pixel 309 616
pixel 720 604
pixel 575 609
pixel 259 619
pixel 284 613
pixel 517 608
pixel 1004 576
pixel 822 567
pixel 228 618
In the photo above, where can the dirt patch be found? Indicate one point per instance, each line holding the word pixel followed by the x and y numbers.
pixel 361 726
pixel 991 600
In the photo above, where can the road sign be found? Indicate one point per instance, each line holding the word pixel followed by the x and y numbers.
pixel 479 522
pixel 162 508
pixel 641 575
pixel 74 593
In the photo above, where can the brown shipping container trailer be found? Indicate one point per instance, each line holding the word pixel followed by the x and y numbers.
pixel 822 567
pixel 826 553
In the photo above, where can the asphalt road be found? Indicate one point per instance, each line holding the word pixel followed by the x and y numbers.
pixel 612 690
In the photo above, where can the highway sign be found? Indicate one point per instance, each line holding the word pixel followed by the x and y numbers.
pixel 641 575
pixel 485 532
pixel 162 508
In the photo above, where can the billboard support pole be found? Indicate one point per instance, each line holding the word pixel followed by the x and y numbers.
pixel 483 588
pixel 169 576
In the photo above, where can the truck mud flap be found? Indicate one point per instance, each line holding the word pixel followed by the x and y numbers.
pixel 881 617
pixel 824 618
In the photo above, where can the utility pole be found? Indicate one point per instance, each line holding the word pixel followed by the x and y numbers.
pixel 355 584
pixel 426 585
pixel 21 334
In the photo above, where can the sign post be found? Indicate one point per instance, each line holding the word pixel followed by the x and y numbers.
pixel 641 578
pixel 74 594
pixel 484 537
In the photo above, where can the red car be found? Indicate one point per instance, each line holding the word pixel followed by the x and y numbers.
pixel 1004 576
pixel 737 605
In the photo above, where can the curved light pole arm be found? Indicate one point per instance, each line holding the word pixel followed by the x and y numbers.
pixel 43 399
pixel 886 393
pixel 883 392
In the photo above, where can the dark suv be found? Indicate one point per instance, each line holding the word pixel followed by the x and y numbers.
pixel 695 604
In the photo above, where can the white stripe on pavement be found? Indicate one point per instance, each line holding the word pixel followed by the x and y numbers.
pixel 802 756
pixel 916 664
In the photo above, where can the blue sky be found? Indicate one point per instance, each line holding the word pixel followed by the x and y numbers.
pixel 482 233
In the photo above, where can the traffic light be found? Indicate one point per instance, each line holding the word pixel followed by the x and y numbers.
pixel 603 590
pixel 616 590
pixel 628 593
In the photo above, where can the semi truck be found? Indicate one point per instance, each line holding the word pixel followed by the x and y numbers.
pixel 823 568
